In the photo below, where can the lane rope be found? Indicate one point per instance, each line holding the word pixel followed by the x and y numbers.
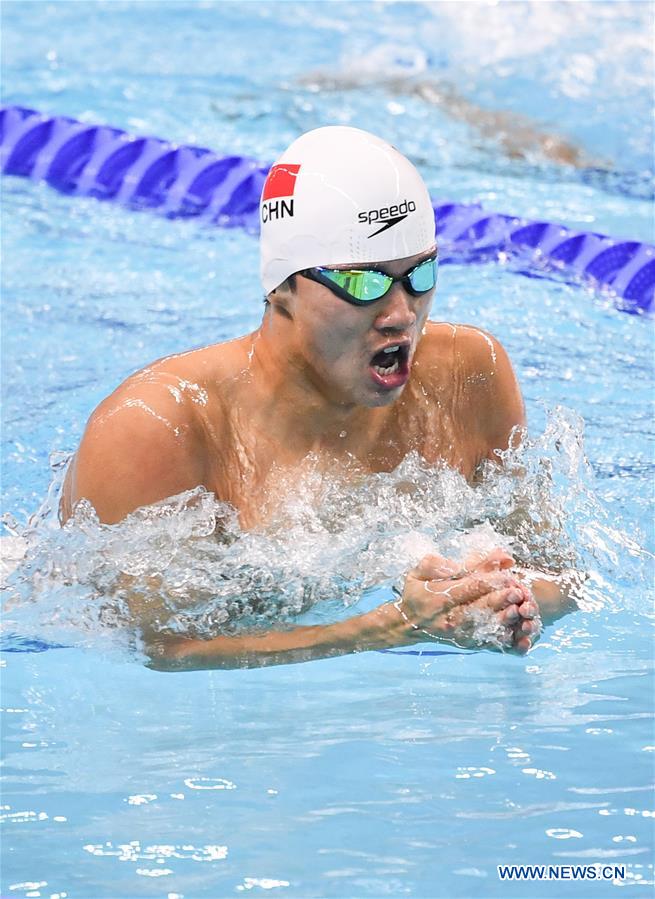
pixel 107 163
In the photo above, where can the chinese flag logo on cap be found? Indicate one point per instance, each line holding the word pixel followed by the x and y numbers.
pixel 281 181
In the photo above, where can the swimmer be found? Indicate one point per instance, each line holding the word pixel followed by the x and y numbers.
pixel 344 366
pixel 516 135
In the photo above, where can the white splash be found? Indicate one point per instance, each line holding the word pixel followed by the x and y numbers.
pixel 185 565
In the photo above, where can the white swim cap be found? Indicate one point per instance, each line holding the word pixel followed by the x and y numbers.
pixel 339 195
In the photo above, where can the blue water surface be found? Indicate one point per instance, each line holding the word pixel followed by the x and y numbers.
pixel 373 774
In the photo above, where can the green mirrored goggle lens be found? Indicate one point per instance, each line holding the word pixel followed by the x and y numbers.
pixel 424 276
pixel 365 286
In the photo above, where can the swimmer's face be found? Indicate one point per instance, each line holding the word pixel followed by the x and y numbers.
pixel 342 346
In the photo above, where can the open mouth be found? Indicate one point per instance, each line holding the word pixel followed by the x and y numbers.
pixel 390 367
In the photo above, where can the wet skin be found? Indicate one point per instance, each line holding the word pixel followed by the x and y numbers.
pixel 241 418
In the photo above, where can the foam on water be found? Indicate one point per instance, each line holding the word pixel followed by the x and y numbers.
pixel 335 541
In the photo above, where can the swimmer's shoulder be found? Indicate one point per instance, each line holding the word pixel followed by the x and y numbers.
pixel 148 439
pixel 138 447
pixel 175 391
pixel 461 350
pixel 471 361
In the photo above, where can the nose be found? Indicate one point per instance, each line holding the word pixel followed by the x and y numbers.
pixel 398 310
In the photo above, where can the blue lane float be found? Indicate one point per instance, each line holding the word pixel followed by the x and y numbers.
pixel 107 163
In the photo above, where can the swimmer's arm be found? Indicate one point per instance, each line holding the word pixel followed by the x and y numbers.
pixel 433 605
pixel 519 136
pixel 381 628
pixel 139 447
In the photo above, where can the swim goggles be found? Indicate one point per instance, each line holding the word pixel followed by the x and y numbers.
pixel 363 286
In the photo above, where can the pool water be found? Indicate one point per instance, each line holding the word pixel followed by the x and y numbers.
pixel 374 774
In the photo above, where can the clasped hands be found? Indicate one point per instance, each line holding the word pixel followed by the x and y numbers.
pixel 479 604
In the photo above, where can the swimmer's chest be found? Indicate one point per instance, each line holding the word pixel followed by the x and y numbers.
pixel 254 474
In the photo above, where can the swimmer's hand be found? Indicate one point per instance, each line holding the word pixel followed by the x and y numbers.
pixel 480 604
